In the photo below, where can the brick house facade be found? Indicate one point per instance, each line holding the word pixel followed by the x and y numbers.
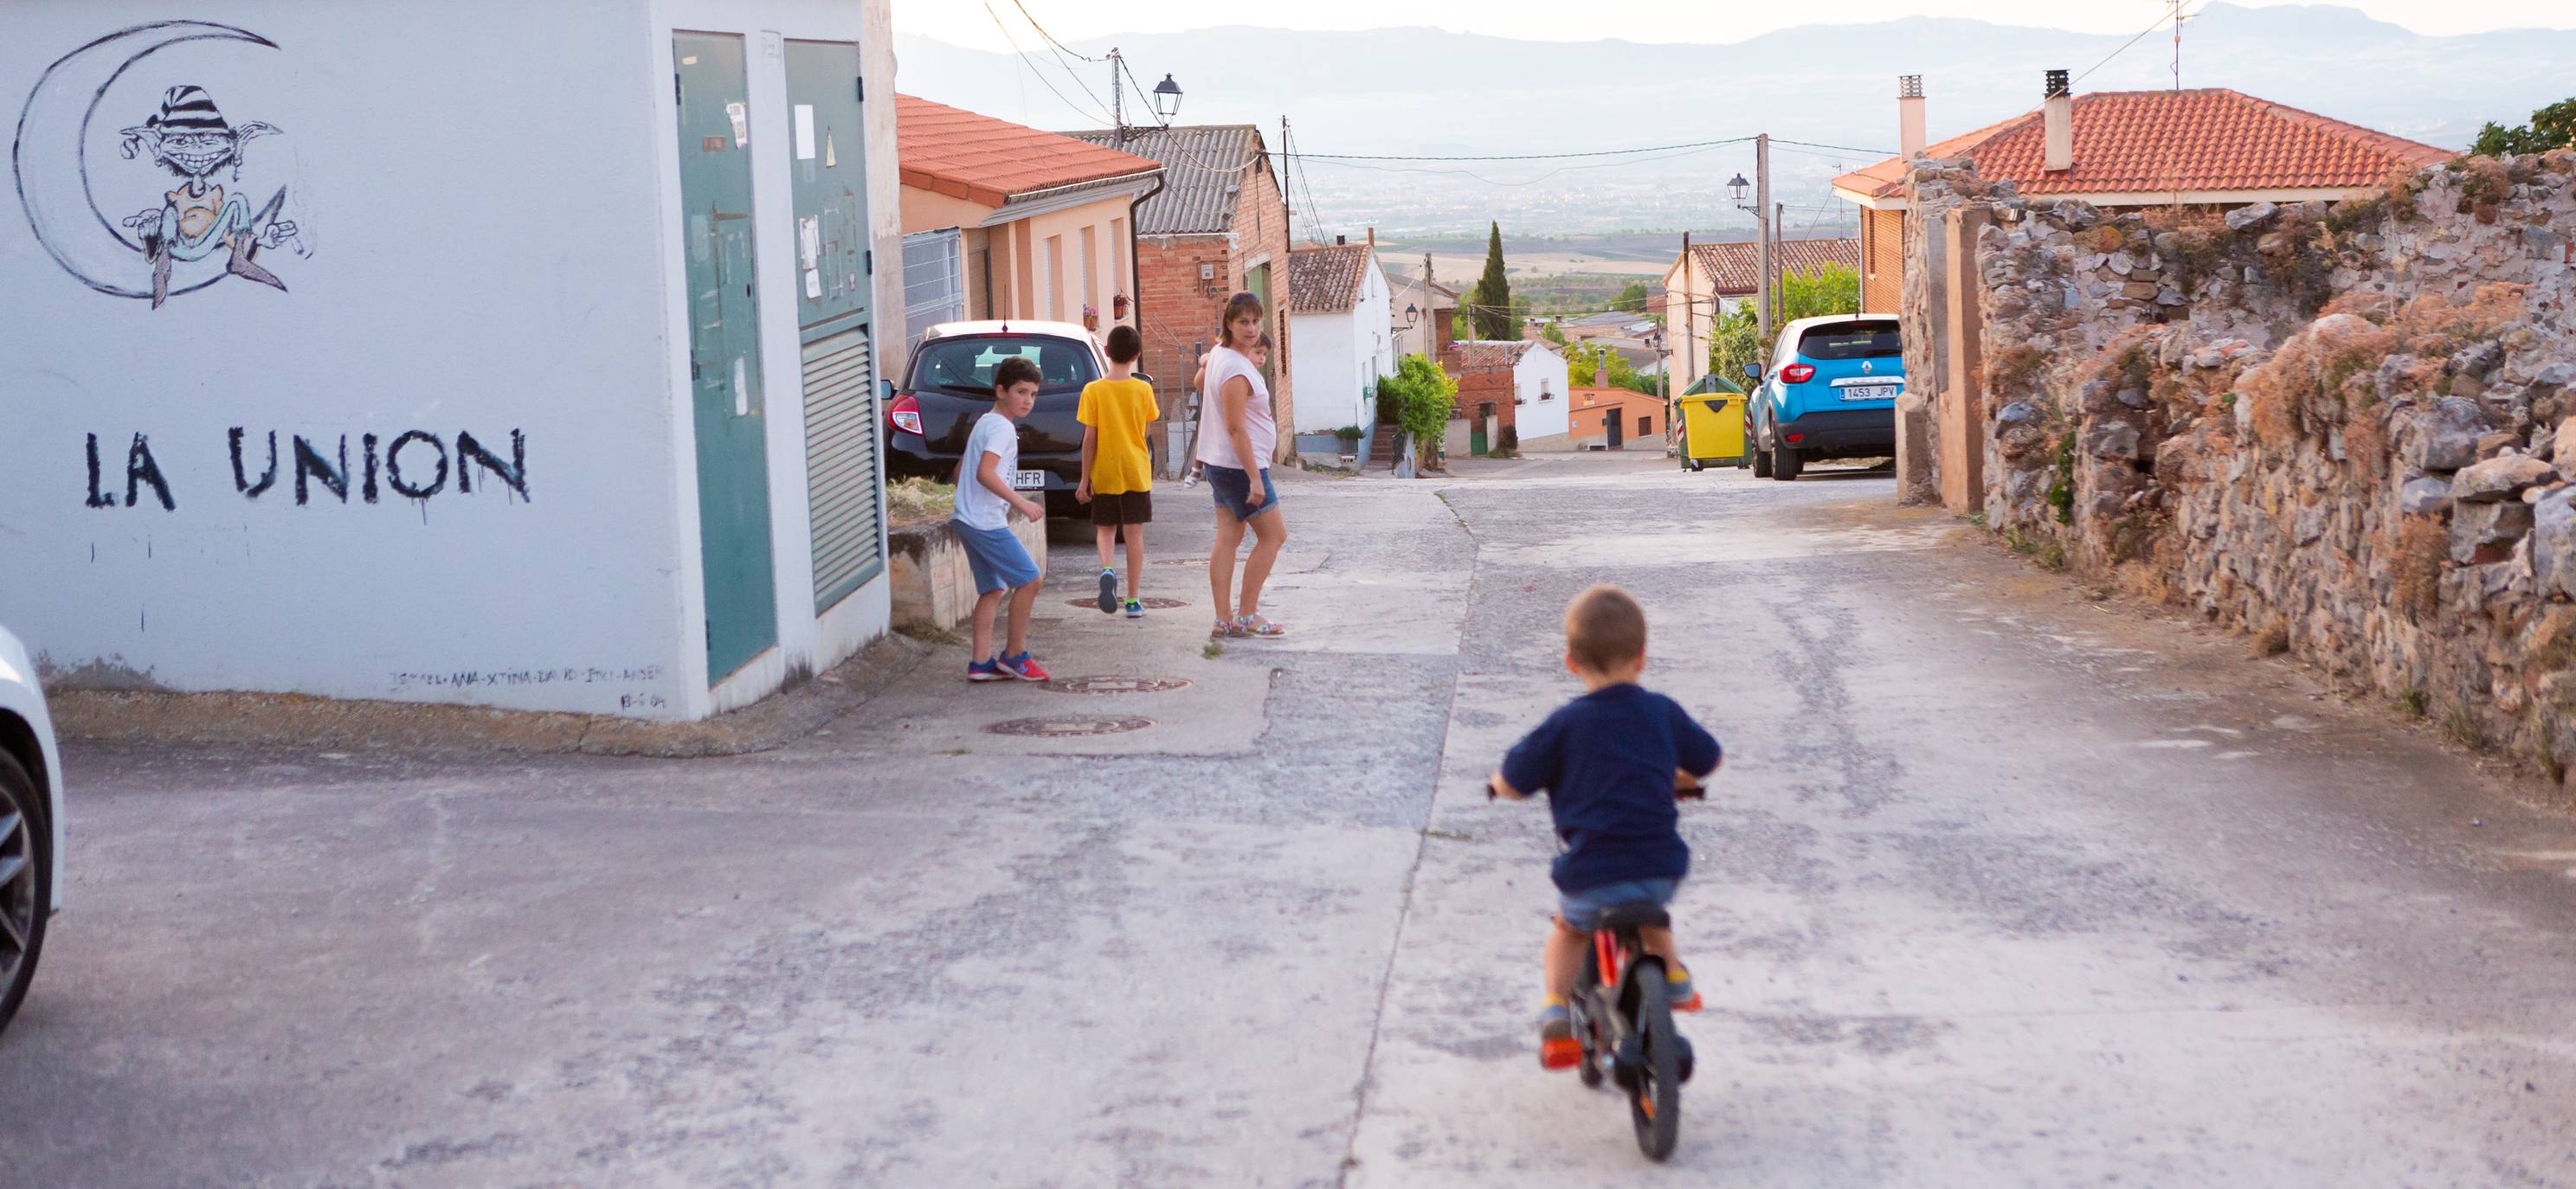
pixel 1219 227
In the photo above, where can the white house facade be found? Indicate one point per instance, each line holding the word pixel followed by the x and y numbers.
pixel 1539 386
pixel 516 355
pixel 1341 340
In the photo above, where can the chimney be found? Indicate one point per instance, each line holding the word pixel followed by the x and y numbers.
pixel 2057 120
pixel 1341 241
pixel 1909 116
pixel 1372 240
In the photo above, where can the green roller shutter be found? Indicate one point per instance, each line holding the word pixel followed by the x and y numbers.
pixel 841 465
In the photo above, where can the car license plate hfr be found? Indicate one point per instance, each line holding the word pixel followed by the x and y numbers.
pixel 1028 480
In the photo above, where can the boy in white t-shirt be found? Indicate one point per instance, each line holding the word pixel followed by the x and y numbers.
pixel 982 521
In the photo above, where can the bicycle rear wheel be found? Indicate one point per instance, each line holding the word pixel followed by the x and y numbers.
pixel 1656 1107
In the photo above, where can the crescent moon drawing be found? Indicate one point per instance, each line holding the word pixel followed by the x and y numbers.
pixel 49 160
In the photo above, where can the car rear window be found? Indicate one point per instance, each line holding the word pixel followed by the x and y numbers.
pixel 1851 340
pixel 966 363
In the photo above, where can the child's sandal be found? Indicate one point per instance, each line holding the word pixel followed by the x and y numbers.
pixel 1258 627
pixel 1224 630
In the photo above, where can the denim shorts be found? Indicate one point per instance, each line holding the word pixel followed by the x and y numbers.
pixel 1233 491
pixel 999 560
pixel 1580 909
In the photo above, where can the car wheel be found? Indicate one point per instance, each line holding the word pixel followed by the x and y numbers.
pixel 1785 463
pixel 26 884
pixel 1761 462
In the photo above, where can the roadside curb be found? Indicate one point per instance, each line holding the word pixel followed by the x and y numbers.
pixel 297 720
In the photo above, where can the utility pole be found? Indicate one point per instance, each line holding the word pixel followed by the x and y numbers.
pixel 1117 101
pixel 1430 316
pixel 1287 209
pixel 1762 214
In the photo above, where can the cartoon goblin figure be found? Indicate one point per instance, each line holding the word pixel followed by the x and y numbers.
pixel 190 139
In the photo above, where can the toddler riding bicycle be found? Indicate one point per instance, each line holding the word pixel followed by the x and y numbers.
pixel 1611 762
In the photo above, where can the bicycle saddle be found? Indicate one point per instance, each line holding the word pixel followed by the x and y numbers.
pixel 1641 914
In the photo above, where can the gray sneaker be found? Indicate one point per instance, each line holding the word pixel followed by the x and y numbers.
pixel 1108 591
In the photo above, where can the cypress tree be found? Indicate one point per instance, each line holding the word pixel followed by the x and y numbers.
pixel 1493 293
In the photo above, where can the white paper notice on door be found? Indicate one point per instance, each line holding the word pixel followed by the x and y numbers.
pixel 741 117
pixel 741 389
pixel 804 131
pixel 813 282
pixel 809 240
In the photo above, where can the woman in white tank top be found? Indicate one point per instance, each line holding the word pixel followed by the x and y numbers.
pixel 1237 436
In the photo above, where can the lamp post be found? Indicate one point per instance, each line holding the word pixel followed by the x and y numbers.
pixel 1167 99
pixel 1412 316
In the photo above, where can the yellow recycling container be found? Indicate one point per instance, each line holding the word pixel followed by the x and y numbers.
pixel 1712 430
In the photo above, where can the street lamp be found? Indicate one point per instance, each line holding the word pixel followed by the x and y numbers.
pixel 1167 99
pixel 1735 190
pixel 1412 313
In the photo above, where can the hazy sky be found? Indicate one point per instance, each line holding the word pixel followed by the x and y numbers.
pixel 965 22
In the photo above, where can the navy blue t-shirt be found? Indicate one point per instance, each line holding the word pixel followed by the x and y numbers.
pixel 1606 761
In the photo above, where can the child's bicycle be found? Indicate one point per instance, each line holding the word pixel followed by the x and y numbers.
pixel 1623 1015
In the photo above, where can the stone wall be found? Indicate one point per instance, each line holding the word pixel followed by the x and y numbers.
pixel 2344 429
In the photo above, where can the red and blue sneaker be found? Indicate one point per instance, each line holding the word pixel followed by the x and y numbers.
pixel 1023 666
pixel 986 671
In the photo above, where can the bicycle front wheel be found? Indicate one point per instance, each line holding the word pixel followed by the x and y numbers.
pixel 1656 1107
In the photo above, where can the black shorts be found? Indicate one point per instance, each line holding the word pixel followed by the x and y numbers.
pixel 1126 507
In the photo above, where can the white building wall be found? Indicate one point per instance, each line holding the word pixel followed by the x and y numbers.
pixel 1539 382
pixel 509 266
pixel 1322 349
pixel 1343 355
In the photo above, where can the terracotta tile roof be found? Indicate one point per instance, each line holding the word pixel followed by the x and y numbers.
pixel 978 158
pixel 1487 354
pixel 1328 279
pixel 1204 171
pixel 1737 267
pixel 2147 141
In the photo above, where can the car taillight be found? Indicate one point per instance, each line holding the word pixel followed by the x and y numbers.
pixel 905 414
pixel 1797 373
pixel 1796 438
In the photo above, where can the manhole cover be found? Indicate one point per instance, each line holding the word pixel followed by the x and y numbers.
pixel 1151 603
pixel 1067 728
pixel 1116 685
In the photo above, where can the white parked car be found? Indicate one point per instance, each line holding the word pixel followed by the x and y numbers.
pixel 31 823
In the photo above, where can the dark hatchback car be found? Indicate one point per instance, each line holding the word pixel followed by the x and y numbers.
pixel 951 385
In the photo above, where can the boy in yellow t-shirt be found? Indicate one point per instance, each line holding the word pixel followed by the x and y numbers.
pixel 1117 471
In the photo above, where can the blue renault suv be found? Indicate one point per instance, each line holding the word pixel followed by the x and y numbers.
pixel 1830 393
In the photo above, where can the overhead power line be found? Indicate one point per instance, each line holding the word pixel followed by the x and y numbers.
pixel 1692 145
pixel 1050 37
pixel 1023 56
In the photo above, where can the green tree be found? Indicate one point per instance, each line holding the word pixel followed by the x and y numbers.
pixel 2552 127
pixel 1423 396
pixel 1736 341
pixel 1552 334
pixel 1631 298
pixel 1494 315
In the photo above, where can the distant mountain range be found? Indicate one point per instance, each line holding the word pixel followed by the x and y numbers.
pixel 1427 92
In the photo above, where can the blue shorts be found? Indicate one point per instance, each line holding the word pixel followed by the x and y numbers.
pixel 1233 491
pixel 999 560
pixel 1580 909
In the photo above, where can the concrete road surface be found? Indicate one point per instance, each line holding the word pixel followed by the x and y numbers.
pixel 2001 886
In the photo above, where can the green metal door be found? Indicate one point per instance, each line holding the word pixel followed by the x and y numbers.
pixel 828 184
pixel 724 349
